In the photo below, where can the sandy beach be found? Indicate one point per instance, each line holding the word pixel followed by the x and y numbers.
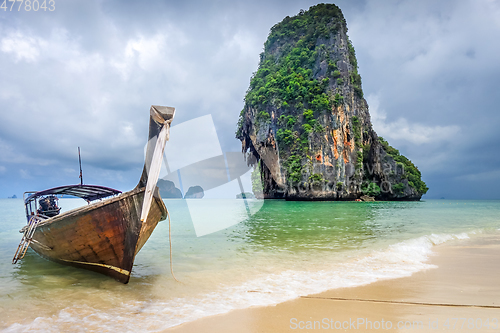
pixel 461 295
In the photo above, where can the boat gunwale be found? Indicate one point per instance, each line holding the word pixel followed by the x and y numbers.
pixel 91 206
pixel 54 191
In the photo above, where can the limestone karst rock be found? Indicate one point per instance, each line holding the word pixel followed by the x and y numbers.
pixel 305 121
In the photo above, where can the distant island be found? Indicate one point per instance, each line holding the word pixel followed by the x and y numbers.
pixel 169 191
pixel 306 124
pixel 12 197
pixel 194 192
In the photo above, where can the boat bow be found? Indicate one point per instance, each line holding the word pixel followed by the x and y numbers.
pixel 105 235
pixel 159 132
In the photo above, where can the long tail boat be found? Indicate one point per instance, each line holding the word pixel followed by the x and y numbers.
pixel 105 235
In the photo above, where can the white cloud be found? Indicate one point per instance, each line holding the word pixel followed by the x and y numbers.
pixel 60 46
pixel 22 46
pixel 2 169
pixel 127 135
pixel 142 51
pixel 147 50
pixel 152 53
pixel 402 129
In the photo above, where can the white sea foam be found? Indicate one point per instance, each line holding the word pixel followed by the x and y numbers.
pixel 397 260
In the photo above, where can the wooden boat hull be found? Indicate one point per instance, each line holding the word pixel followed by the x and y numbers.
pixel 104 236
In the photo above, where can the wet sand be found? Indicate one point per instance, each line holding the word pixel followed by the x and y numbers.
pixel 461 295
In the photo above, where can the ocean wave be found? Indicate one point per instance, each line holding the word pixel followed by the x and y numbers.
pixel 397 260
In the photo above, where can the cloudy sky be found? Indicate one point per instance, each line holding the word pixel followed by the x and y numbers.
pixel 86 74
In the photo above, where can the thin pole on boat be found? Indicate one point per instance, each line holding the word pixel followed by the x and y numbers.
pixel 80 161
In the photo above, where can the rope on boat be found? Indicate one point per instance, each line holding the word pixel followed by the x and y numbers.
pixel 405 303
pixel 43 246
pixel 170 244
pixel 27 238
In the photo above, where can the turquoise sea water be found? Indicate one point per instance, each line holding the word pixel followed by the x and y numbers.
pixel 284 250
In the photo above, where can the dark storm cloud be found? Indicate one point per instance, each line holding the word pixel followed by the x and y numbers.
pixel 86 74
pixel 430 72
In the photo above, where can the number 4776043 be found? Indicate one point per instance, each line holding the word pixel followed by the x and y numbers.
pixel 28 5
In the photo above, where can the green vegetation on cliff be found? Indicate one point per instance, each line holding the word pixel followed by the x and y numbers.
pixel 411 172
pixel 318 22
pixel 287 80
pixel 306 118
pixel 285 77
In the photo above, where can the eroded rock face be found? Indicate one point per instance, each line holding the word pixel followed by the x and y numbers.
pixel 168 189
pixel 306 123
pixel 194 192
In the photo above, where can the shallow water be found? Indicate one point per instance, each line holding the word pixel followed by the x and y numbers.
pixel 284 250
